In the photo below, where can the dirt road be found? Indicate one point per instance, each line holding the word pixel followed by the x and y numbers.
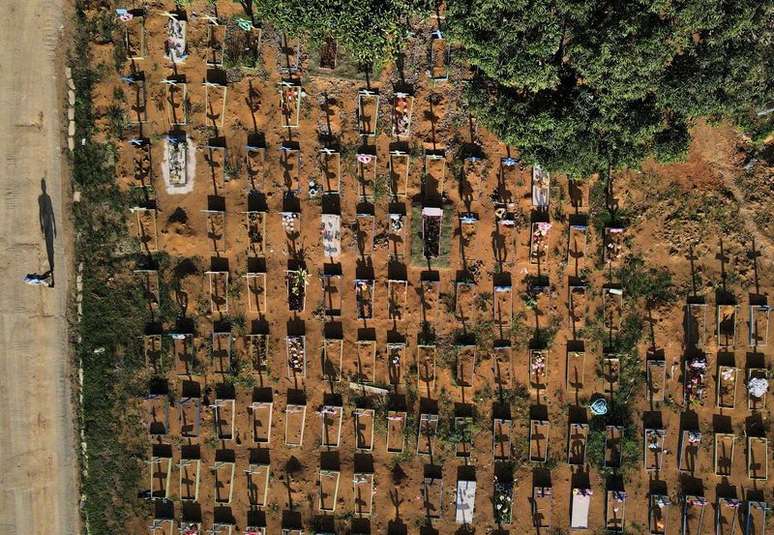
pixel 38 466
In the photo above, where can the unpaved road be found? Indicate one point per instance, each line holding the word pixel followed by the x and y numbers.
pixel 38 465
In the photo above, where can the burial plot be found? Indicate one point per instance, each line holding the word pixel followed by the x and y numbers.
pixel 538 440
pixel 576 444
pixel 398 169
pixel 723 454
pixel 396 437
pixel 367 111
pixel 290 103
pixel 402 110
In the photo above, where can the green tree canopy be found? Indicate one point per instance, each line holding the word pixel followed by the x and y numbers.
pixel 369 30
pixel 578 85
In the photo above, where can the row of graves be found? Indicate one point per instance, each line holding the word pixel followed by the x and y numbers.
pixel 228 40
pixel 365 365
pixel 730 515
pixel 708 330
pixel 236 40
pixel 224 416
pixel 332 413
pixel 186 419
pixel 363 370
pixel 730 512
pixel 732 379
pixel 697 338
pixel 730 373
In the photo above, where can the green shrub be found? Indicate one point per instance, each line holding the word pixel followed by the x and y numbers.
pixel 652 284
pixel 369 30
pixel 114 314
pixel 556 81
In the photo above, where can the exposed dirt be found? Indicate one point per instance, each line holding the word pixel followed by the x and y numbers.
pixel 38 487
pixel 669 208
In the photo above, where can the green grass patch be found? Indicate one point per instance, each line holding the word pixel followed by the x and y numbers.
pixel 241 48
pixel 652 284
pixel 114 314
pixel 418 258
pixel 630 447
pixel 601 216
pixel 346 68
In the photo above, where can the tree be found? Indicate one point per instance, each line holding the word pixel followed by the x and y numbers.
pixel 581 85
pixel 369 30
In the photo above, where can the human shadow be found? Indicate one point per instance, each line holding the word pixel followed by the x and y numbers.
pixel 47 225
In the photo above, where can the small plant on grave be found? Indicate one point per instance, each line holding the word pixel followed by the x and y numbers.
pixel 241 48
pixel 595 446
pixel 239 324
pixel 432 235
pixel 530 301
pixel 551 463
pixel 653 284
pixel 241 374
pixel 297 282
pixel 232 168
pixel 447 300
pixel 484 301
pixel 543 338
pixel 380 187
pixel 518 398
pixel 235 288
pixel 485 393
pixel 501 501
pixel 203 306
pixel 319 313
pixel 427 335
pixel 211 442
pixel 466 432
pixel 117 120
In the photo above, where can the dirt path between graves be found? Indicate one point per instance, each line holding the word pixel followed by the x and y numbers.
pixel 38 464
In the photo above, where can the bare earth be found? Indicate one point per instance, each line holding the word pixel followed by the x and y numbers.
pixel 38 466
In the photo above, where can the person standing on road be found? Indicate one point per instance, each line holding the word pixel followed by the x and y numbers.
pixel 33 279
pixel 47 227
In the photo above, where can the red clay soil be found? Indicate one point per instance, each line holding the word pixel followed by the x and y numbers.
pixel 493 255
